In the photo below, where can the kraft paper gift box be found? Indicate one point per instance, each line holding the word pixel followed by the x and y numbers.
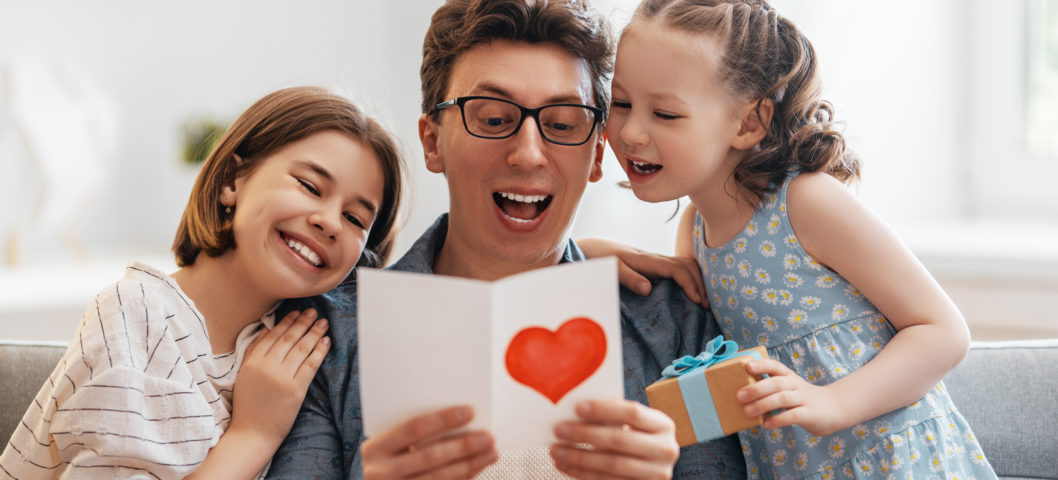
pixel 698 393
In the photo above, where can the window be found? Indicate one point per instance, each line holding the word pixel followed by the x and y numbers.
pixel 1041 96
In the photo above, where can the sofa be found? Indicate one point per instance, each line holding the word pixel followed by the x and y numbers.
pixel 1002 388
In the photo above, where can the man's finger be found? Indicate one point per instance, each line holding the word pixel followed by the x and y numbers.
pixel 462 456
pixel 589 464
pixel 624 412
pixel 416 430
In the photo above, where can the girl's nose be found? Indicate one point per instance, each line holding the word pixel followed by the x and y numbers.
pixel 631 133
pixel 327 223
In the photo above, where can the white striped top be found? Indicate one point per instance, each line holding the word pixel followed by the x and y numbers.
pixel 138 394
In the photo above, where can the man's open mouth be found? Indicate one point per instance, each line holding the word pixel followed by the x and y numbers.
pixel 644 168
pixel 521 208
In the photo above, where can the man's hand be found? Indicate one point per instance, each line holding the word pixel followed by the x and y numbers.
pixel 627 440
pixel 424 447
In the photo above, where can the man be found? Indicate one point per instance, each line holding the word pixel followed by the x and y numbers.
pixel 514 98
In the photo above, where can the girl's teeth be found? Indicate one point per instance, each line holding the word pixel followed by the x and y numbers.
pixel 645 168
pixel 305 252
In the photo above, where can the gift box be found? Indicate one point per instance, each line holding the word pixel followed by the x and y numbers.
pixel 698 393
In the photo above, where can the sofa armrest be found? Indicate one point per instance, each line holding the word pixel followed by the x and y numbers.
pixel 1008 392
pixel 24 367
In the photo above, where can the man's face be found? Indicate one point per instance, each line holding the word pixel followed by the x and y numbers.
pixel 512 200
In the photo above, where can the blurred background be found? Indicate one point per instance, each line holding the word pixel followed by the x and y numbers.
pixel 952 104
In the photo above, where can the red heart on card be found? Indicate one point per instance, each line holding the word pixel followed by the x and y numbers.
pixel 553 363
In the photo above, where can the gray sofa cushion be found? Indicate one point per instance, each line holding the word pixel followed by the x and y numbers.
pixel 23 369
pixel 1008 392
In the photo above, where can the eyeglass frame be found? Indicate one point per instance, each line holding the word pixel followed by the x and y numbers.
pixel 597 114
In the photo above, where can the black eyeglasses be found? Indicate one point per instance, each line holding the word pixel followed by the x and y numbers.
pixel 496 118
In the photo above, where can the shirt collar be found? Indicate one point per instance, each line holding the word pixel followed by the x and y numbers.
pixel 422 254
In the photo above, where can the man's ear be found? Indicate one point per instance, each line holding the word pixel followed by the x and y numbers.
pixel 754 126
pixel 428 132
pixel 596 161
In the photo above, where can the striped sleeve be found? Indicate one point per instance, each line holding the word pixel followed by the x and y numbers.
pixel 123 422
pixel 123 402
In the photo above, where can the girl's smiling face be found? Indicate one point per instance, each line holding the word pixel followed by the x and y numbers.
pixel 672 120
pixel 303 214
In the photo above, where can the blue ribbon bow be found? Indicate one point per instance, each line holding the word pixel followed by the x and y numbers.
pixel 716 351
pixel 697 397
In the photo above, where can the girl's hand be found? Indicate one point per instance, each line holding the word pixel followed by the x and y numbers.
pixel 814 408
pixel 635 265
pixel 276 371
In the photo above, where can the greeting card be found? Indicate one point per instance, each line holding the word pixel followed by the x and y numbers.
pixel 521 351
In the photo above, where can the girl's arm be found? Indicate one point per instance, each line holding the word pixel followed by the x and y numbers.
pixel 276 371
pixel 635 265
pixel 685 234
pixel 836 229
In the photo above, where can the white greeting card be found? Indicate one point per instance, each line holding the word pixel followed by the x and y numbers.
pixel 522 351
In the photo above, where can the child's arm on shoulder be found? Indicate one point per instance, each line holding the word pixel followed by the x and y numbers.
pixel 269 389
pixel 635 265
pixel 840 232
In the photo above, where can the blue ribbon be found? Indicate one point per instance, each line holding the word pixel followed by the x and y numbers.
pixel 703 415
pixel 716 351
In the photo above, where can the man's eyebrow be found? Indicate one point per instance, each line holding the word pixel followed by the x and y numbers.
pixel 506 94
pixel 323 172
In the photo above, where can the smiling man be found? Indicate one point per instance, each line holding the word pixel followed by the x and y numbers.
pixel 514 99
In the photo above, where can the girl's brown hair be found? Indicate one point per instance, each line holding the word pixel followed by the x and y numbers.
pixel 766 57
pixel 277 120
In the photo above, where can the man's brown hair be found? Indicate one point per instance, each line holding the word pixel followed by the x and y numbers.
pixel 273 122
pixel 460 25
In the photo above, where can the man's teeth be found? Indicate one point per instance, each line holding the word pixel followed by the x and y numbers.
pixel 305 252
pixel 523 198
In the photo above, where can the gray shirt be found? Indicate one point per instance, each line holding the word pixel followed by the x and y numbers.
pixel 655 329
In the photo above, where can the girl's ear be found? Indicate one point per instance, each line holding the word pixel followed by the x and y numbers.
pixel 754 126
pixel 228 191
pixel 428 131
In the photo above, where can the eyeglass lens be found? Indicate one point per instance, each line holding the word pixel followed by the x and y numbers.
pixel 496 119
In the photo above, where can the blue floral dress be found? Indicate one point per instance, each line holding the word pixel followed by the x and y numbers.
pixel 765 290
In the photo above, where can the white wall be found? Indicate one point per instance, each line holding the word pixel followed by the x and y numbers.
pixel 896 71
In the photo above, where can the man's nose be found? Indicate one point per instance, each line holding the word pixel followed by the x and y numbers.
pixel 529 146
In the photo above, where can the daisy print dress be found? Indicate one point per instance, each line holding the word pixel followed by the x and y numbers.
pixel 764 289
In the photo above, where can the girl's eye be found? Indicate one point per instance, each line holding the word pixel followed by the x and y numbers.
pixel 619 104
pixel 308 186
pixel 355 221
pixel 666 116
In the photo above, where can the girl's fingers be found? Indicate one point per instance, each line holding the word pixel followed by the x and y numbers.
pixel 306 370
pixel 632 280
pixel 294 333
pixel 304 344
pixel 784 399
pixel 688 276
pixel 265 340
pixel 768 366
